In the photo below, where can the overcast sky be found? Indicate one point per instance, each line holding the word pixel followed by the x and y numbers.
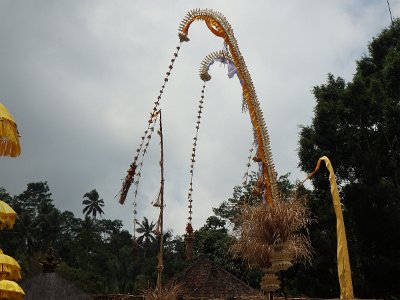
pixel 80 78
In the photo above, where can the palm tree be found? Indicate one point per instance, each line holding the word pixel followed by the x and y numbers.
pixel 146 230
pixel 93 204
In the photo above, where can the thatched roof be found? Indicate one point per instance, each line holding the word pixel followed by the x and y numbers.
pixel 205 280
pixel 51 286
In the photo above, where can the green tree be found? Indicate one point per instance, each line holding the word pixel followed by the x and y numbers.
pixel 146 230
pixel 93 204
pixel 356 124
pixel 96 255
pixel 228 209
pixel 4 196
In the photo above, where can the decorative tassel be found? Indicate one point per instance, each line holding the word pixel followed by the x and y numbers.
pixel 7 216
pixel 127 183
pixel 9 137
pixel 9 267
pixel 11 290
pixel 189 238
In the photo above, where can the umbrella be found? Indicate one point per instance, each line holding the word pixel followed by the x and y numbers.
pixel 7 215
pixel 9 137
pixel 9 267
pixel 10 290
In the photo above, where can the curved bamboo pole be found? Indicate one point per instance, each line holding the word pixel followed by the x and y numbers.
pixel 220 27
pixel 222 56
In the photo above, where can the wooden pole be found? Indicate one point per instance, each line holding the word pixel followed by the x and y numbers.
pixel 160 265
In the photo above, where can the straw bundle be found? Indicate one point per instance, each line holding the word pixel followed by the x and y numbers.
pixel 168 293
pixel 262 227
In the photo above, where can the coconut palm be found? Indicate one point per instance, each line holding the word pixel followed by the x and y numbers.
pixel 146 230
pixel 93 205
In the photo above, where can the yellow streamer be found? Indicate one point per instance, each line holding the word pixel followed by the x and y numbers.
pixel 343 261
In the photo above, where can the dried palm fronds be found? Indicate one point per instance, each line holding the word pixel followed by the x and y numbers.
pixel 168 293
pixel 126 184
pixel 263 226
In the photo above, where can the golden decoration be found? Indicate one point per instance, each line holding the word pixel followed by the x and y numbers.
pixel 9 137
pixel 9 267
pixel 7 216
pixel 343 260
pixel 11 290
pixel 219 26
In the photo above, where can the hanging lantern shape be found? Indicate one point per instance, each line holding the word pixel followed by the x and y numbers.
pixel 9 267
pixel 270 282
pixel 7 216
pixel 11 290
pixel 9 137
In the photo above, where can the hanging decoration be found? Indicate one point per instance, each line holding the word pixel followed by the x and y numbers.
pixel 189 239
pixel 11 290
pixel 9 267
pixel 134 171
pixel 189 229
pixel 266 185
pixel 220 27
pixel 248 164
pixel 223 57
pixel 9 135
pixel 343 260
pixel 7 216
pixel 193 155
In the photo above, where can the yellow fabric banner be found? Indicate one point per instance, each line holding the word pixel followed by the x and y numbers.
pixel 343 261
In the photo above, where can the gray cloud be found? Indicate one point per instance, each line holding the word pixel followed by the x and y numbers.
pixel 80 78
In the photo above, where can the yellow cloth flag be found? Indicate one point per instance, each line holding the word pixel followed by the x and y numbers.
pixel 343 261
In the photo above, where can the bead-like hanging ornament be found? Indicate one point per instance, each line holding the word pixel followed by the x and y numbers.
pixel 249 159
pixel 189 228
pixel 248 164
pixel 135 169
pixel 135 245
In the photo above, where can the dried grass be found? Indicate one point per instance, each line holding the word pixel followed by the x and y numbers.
pixel 262 226
pixel 168 293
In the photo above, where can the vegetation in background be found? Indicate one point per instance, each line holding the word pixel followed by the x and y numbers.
pixel 356 124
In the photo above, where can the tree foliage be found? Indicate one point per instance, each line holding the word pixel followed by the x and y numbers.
pixel 146 231
pixel 356 124
pixel 93 204
pixel 96 254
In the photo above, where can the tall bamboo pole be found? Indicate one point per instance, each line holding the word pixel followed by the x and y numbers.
pixel 160 265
